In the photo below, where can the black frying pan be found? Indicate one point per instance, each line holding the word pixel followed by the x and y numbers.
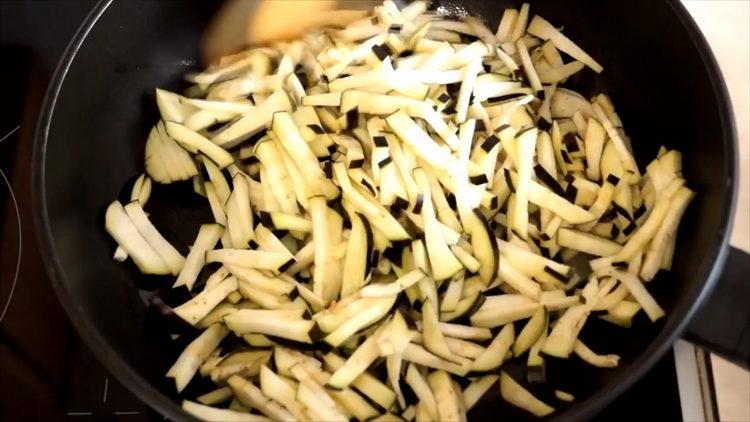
pixel 659 72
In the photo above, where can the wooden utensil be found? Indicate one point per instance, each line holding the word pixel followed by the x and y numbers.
pixel 240 23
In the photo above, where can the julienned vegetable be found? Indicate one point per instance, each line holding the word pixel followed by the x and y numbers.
pixel 407 189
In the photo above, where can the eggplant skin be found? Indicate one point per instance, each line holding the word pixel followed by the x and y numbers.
pixel 536 374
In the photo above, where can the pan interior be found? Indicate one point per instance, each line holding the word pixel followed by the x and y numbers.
pixel 653 72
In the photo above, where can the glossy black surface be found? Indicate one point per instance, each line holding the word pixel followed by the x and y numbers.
pixel 658 71
pixel 723 323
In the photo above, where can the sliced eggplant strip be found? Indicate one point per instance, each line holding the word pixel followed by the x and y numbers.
pixel 354 404
pixel 465 332
pixel 611 299
pixel 640 237
pixel 330 99
pixel 210 363
pixel 466 258
pixel 233 107
pixel 449 399
pixel 219 395
pixel 262 298
pixel 560 73
pixel 639 292
pixel 528 66
pixel 171 107
pixel 520 23
pixel 622 314
pixel 208 413
pixel 120 254
pixel 388 417
pixel 540 28
pixel 561 340
pixel 496 352
pixel 515 394
pixel 285 359
pixel 281 390
pixel 340 313
pixel 419 355
pixel 462 348
pixel 195 354
pixel 518 280
pixel 391 342
pixel 528 262
pixel 626 157
pixel 531 332
pixel 357 363
pixel 321 233
pixel 564 396
pixel 502 309
pixel 257 279
pixel 545 198
pixel 193 141
pixel 267 241
pixel 358 250
pixel 483 246
pixel 165 160
pixel 269 322
pixel 302 259
pixel 322 409
pixel 262 260
pixel 365 383
pixel 422 390
pixel 218 180
pixel 467 86
pixel 199 306
pixel 375 213
pixel 604 198
pixel 586 242
pixel 289 137
pixel 505 27
pixel 243 363
pixel 565 103
pixel 560 302
pixel 395 287
pixel 244 219
pixel 535 359
pixel 594 142
pixel 251 396
pixel 433 340
pixel 591 357
pixel 659 246
pixel 252 123
pixel 477 389
pixel 363 319
pixel 218 313
pixel 411 134
pixel 270 157
pixel 452 295
pixel 444 262
pixel 217 209
pixel 126 234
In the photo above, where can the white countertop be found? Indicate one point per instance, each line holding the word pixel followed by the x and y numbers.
pixel 725 24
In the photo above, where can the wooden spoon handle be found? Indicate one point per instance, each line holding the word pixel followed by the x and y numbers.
pixel 240 23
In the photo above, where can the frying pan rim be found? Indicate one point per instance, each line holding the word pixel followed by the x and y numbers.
pixel 91 336
pixel 146 391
